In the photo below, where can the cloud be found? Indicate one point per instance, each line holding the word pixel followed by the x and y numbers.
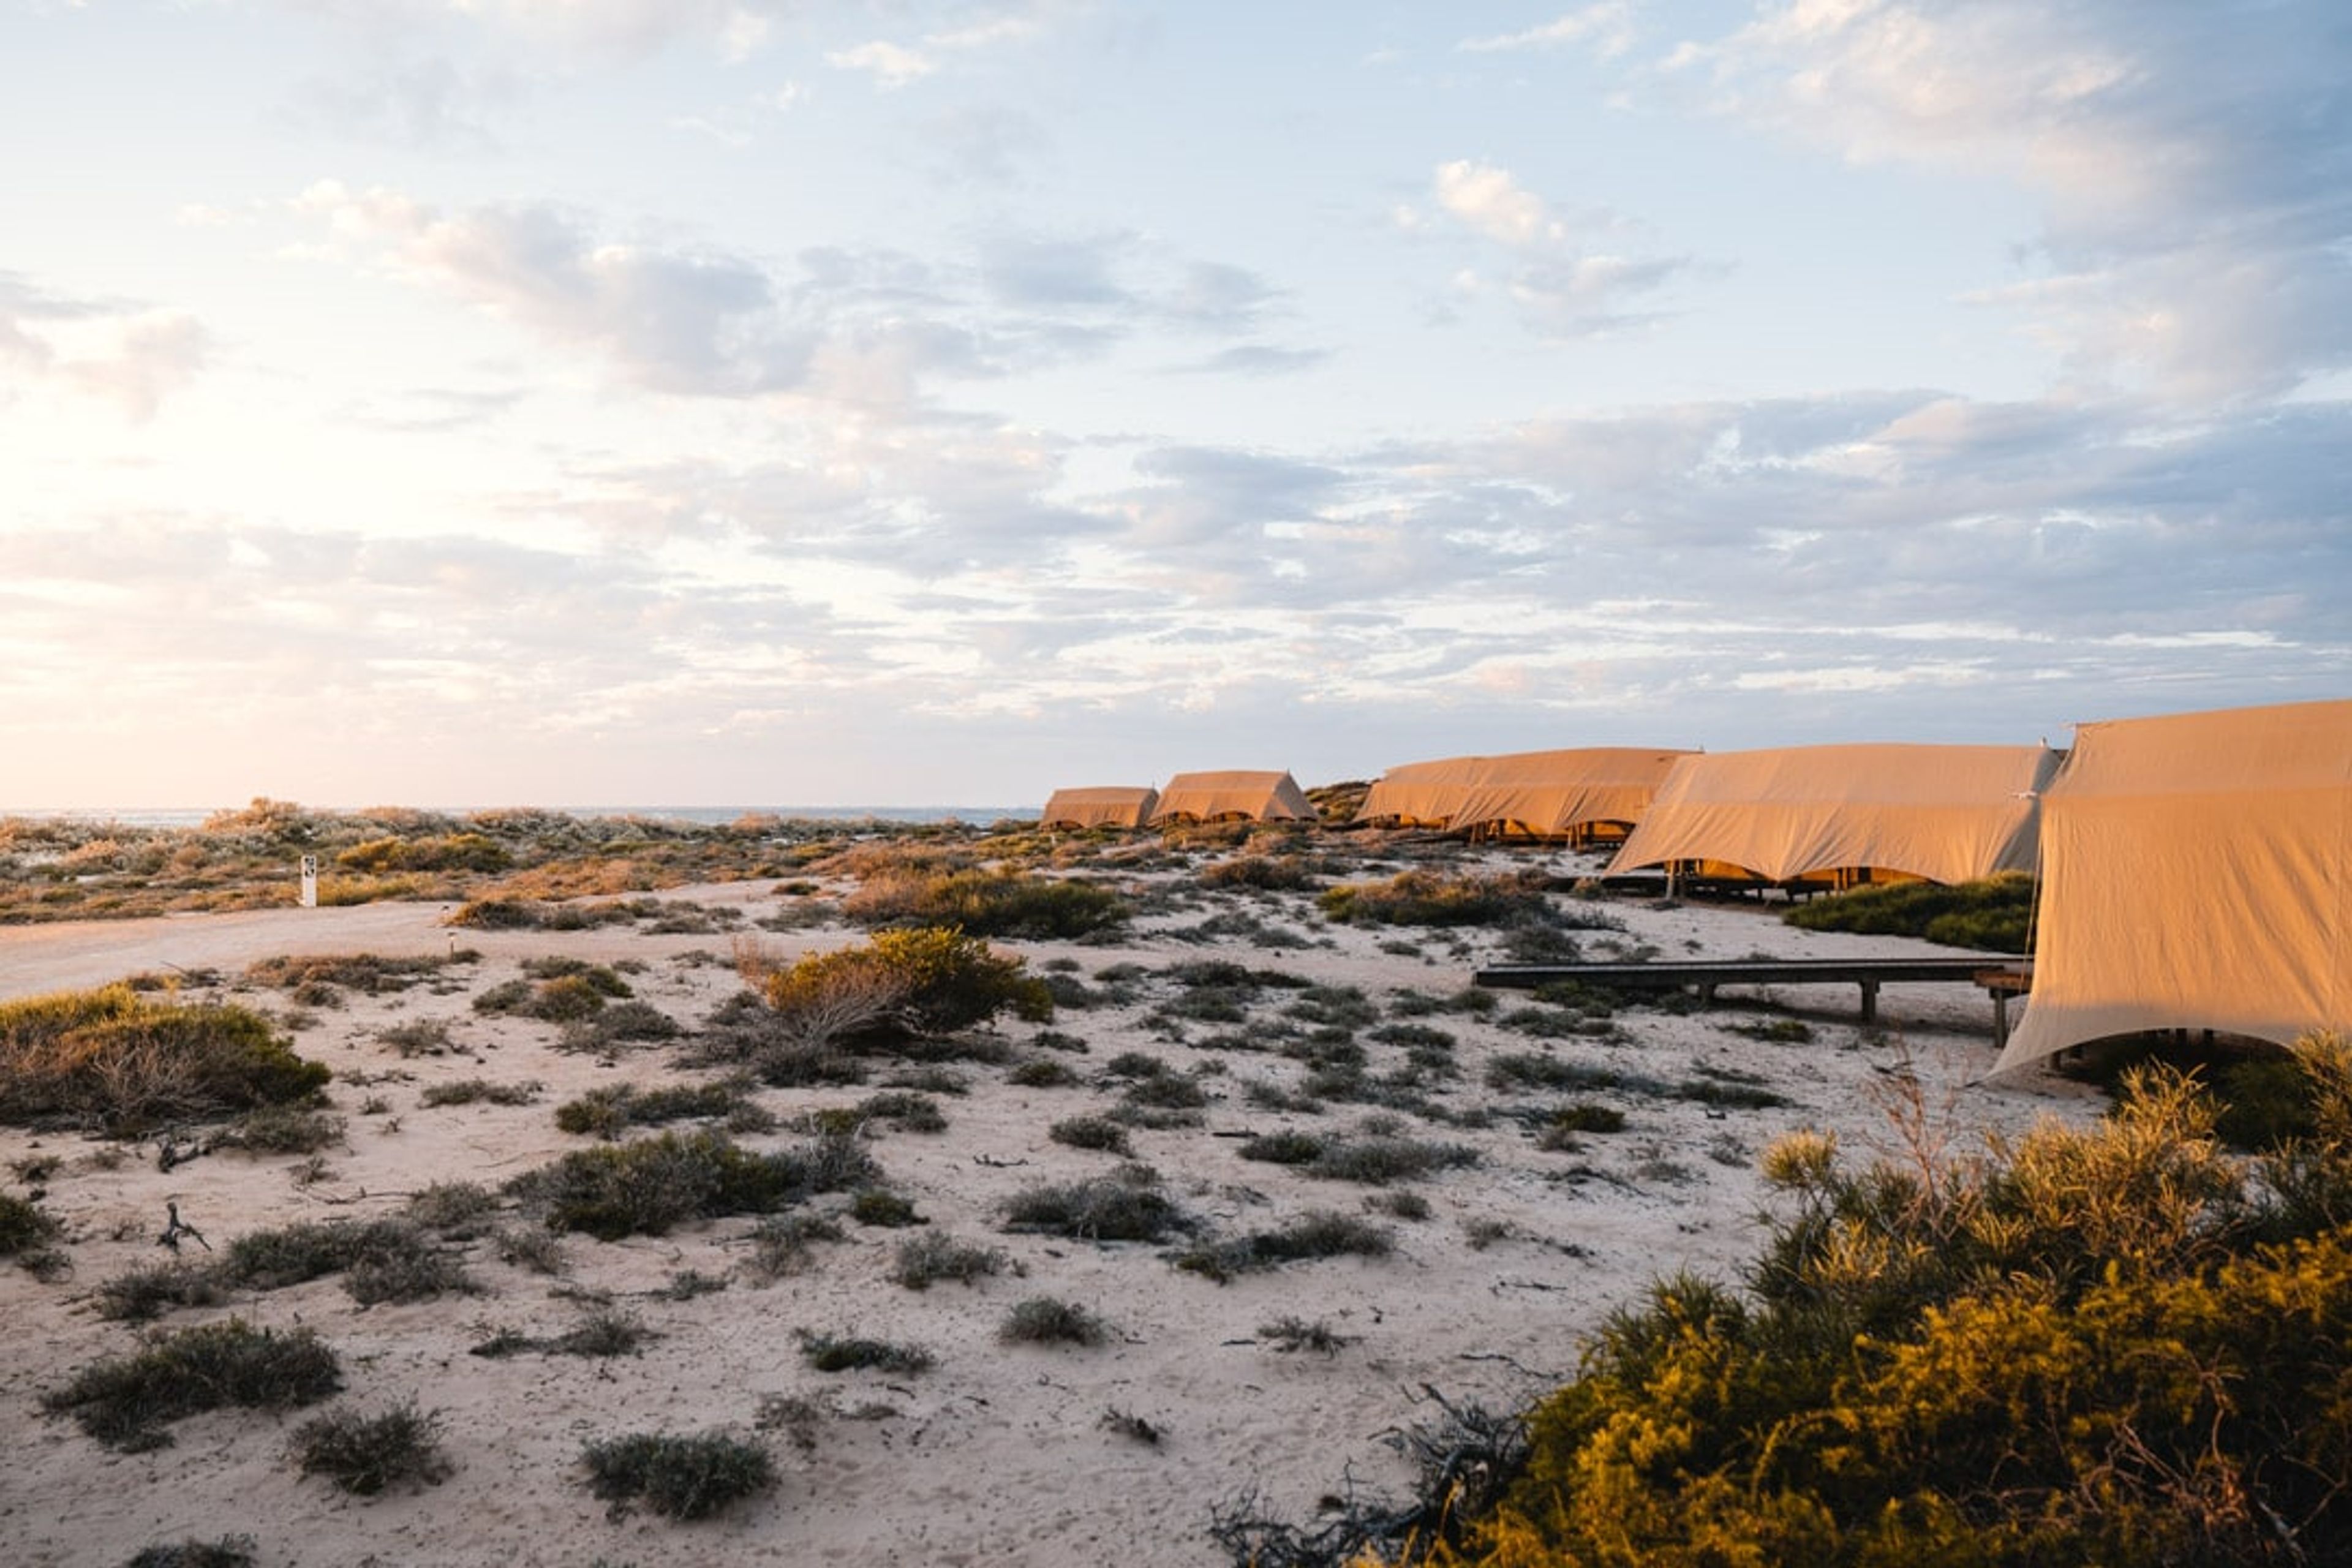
pixel 1561 286
pixel 888 64
pixel 111 351
pixel 894 65
pixel 1608 27
pixel 673 320
pixel 2190 160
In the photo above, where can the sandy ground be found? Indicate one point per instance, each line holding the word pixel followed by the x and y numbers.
pixel 998 1455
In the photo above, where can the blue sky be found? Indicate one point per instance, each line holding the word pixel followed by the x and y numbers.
pixel 468 402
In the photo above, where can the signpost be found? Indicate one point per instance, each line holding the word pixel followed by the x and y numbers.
pixel 309 881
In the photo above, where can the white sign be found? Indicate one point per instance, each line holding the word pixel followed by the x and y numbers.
pixel 309 881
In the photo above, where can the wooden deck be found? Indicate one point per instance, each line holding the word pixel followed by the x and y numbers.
pixel 2002 975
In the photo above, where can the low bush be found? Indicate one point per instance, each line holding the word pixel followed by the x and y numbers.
pixel 1431 898
pixel 365 1454
pixel 647 1186
pixel 924 1260
pixel 987 903
pixel 380 1259
pixel 1319 1233
pixel 902 985
pixel 24 1226
pixel 1267 873
pixel 123 1063
pixel 1378 1160
pixel 1043 1072
pixel 224 1551
pixel 140 1294
pixel 825 1352
pixel 680 1477
pixel 1097 1132
pixel 783 1244
pixel 1103 1209
pixel 282 1129
pixel 1292 1334
pixel 1995 915
pixel 125 1402
pixel 2087 1345
pixel 479 1091
pixel 457 1211
pixel 1043 1320
pixel 608 1111
pixel 370 974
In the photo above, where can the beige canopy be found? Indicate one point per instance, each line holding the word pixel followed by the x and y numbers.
pixel 1943 813
pixel 1553 793
pixel 2197 873
pixel 1110 806
pixel 1422 795
pixel 1259 797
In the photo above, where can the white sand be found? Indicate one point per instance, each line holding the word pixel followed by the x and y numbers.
pixel 998 1455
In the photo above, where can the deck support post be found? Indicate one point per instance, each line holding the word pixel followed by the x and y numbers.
pixel 1869 1001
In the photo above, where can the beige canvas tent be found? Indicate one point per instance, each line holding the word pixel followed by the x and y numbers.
pixel 2197 873
pixel 1251 796
pixel 1568 794
pixel 1109 807
pixel 1837 815
pixel 1421 794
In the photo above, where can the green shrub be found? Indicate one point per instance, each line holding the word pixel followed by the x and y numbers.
pixel 923 1260
pixel 226 1551
pixel 608 1111
pixel 365 1454
pixel 826 1352
pixel 2104 1345
pixel 479 1090
pixel 24 1226
pixel 126 1402
pixel 902 985
pixel 1430 899
pixel 381 1260
pixel 680 1477
pixel 1319 1233
pixel 126 1064
pixel 1994 915
pixel 282 1129
pixel 989 903
pixel 1103 1209
pixel 782 1243
pixel 1267 873
pixel 647 1186
pixel 1287 1147
pixel 884 1209
pixel 445 852
pixel 140 1294
pixel 1043 1320
pixel 1378 1160
pixel 1044 1072
pixel 1096 1133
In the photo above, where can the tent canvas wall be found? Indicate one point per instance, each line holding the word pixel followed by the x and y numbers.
pixel 1109 806
pixel 2197 873
pixel 1257 797
pixel 1422 795
pixel 1568 792
pixel 1947 813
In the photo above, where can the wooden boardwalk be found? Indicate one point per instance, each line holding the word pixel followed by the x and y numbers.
pixel 2002 975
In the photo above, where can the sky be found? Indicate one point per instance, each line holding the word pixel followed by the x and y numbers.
pixel 467 403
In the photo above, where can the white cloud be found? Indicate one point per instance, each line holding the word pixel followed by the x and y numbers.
pixel 2188 159
pixel 132 357
pixel 1563 287
pixel 1607 26
pixel 891 64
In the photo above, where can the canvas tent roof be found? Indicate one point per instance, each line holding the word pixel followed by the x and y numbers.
pixel 1944 812
pixel 1259 796
pixel 2197 873
pixel 1553 792
pixel 1427 794
pixel 1108 806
